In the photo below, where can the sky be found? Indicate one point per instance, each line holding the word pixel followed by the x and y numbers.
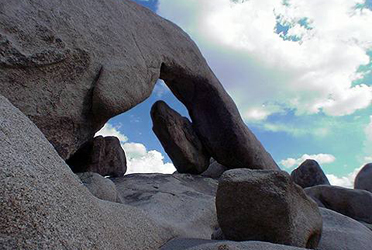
pixel 299 71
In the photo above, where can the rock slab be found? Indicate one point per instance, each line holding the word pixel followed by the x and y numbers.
pixel 266 206
pixel 309 174
pixel 364 178
pixel 179 139
pixel 183 204
pixel 354 203
pixel 45 206
pixel 102 155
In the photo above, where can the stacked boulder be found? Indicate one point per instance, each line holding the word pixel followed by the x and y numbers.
pixel 309 174
pixel 364 178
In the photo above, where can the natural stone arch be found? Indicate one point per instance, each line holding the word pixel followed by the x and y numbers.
pixel 71 69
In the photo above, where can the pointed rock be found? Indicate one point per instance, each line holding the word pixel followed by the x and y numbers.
pixel 309 174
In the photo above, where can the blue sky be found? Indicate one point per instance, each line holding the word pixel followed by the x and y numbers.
pixel 299 71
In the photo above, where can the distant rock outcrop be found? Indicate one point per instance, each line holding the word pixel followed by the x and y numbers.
pixel 45 206
pixel 102 155
pixel 266 206
pixel 215 170
pixel 77 64
pixel 309 174
pixel 179 139
pixel 364 178
pixel 356 204
pixel 181 203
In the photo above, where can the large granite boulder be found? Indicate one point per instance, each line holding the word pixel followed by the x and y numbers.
pixel 309 174
pixel 354 203
pixel 45 206
pixel 183 204
pixel 72 65
pixel 101 187
pixel 364 178
pixel 343 233
pixel 179 139
pixel 199 244
pixel 267 206
pixel 102 155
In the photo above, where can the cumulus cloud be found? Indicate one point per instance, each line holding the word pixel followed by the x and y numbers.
pixel 320 158
pixel 139 159
pixel 344 181
pixel 303 55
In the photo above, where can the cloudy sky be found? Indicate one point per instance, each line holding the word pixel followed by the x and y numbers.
pixel 299 71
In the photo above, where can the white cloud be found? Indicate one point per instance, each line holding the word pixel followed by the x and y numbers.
pixel 344 181
pixel 259 66
pixel 139 160
pixel 109 130
pixel 320 158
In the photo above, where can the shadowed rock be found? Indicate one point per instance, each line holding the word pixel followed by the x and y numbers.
pixel 179 139
pixel 267 206
pixel 364 178
pixel 309 174
pixel 102 155
pixel 73 69
pixel 354 203
pixel 215 170
pixel 45 206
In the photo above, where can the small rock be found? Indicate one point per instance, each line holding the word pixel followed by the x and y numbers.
pixel 102 155
pixel 356 204
pixel 309 174
pixel 215 170
pixel 266 206
pixel 364 178
pixel 101 187
pixel 179 139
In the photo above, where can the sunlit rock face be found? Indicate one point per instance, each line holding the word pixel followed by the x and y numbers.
pixel 72 65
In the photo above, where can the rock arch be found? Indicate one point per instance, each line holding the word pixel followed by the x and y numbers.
pixel 72 68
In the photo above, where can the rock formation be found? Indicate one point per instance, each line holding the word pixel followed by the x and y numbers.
pixel 215 170
pixel 309 174
pixel 266 206
pixel 364 178
pixel 102 155
pixel 356 204
pixel 72 65
pixel 45 206
pixel 101 187
pixel 183 204
pixel 179 139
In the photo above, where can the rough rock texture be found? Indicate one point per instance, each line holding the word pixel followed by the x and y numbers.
pixel 266 206
pixel 198 244
pixel 102 155
pixel 354 203
pixel 182 203
pixel 72 65
pixel 179 139
pixel 101 187
pixel 343 233
pixel 309 174
pixel 45 206
pixel 364 178
pixel 215 170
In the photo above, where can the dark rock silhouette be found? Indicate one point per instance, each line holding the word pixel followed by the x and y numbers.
pixel 364 178
pixel 73 69
pixel 267 206
pixel 215 170
pixel 102 155
pixel 309 174
pixel 179 139
pixel 356 204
